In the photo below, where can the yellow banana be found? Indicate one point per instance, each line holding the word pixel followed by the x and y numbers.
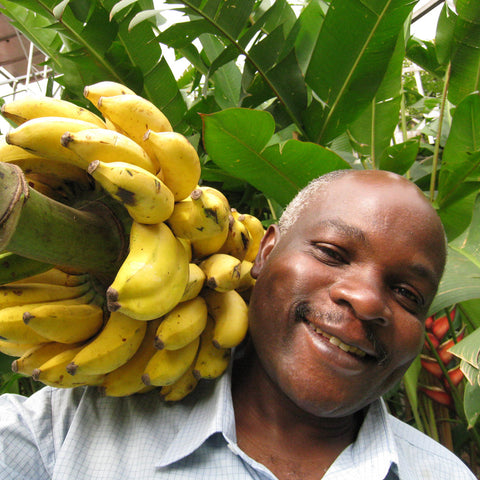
pixel 187 244
pixel 64 323
pixel 127 379
pixel 15 349
pixel 180 388
pixel 146 198
pixel 257 231
pixel 201 216
pixel 167 366
pixel 26 108
pixel 238 238
pixel 222 272
pixel 42 137
pixel 211 361
pixel 105 89
pixel 13 329
pixel 30 163
pixel 23 293
pixel 196 279
pixel 230 313
pixel 107 146
pixel 55 276
pixel 133 116
pixel 177 158
pixel 246 280
pixel 39 354
pixel 114 345
pixel 182 325
pixel 153 277
pixel 53 371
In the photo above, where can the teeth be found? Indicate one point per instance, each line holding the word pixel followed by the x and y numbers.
pixel 337 342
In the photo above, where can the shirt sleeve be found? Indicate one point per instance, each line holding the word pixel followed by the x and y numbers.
pixel 26 439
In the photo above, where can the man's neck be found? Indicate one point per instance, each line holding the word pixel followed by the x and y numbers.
pixel 277 433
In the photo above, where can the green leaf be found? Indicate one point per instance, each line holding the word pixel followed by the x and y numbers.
pixel 470 372
pixel 471 402
pixel 465 65
pixel 461 156
pixel 461 280
pixel 424 54
pixel 372 131
pixel 444 34
pixel 399 158
pixel 345 88
pixel 468 349
pixel 236 140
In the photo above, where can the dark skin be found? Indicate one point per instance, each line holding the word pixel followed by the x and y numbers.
pixel 336 317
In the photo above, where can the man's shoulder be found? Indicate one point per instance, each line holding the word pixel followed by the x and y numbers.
pixel 422 454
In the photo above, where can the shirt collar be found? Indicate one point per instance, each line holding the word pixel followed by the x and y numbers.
pixel 373 451
pixel 211 413
pixel 373 454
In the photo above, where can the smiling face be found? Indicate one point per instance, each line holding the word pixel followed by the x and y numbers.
pixel 336 316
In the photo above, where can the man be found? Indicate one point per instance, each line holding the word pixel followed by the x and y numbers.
pixel 343 287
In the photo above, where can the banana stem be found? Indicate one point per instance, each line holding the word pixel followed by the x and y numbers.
pixel 35 226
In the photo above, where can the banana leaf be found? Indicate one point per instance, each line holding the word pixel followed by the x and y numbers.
pixel 344 89
pixel 465 61
pixel 372 131
pixel 461 156
pixel 461 280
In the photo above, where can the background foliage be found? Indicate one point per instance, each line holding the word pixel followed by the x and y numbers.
pixel 273 98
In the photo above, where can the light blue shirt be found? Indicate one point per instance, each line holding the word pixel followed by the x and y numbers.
pixel 79 435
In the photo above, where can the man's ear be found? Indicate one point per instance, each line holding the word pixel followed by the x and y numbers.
pixel 269 240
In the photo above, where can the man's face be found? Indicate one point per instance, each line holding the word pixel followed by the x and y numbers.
pixel 338 309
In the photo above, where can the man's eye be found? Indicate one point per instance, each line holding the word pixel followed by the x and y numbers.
pixel 329 254
pixel 409 295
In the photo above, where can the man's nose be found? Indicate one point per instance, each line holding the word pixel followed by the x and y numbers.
pixel 365 295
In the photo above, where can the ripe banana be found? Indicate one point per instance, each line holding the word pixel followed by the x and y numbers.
pixel 182 325
pixel 26 108
pixel 127 379
pixel 201 216
pixel 222 272
pixel 181 388
pixel 13 329
pixel 53 372
pixel 107 146
pixel 14 349
pixel 42 136
pixel 257 231
pixel 55 276
pixel 114 345
pixel 153 277
pixel 105 89
pixel 37 355
pixel 196 279
pixel 64 323
pixel 167 366
pixel 178 159
pixel 230 313
pixel 211 361
pixel 246 280
pixel 133 116
pixel 30 163
pixel 15 267
pixel 146 198
pixel 23 293
pixel 238 238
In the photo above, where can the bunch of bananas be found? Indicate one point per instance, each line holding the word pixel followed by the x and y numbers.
pixel 178 303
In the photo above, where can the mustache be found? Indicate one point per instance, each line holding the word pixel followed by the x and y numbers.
pixel 304 312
